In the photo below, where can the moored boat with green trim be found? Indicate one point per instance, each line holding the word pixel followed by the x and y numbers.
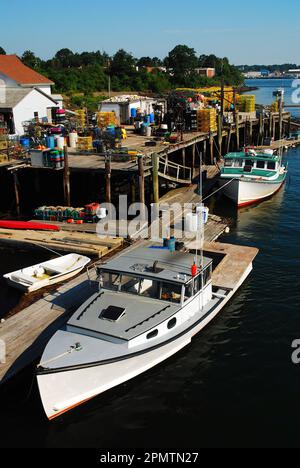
pixel 249 177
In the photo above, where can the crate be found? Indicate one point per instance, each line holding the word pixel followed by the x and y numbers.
pixel 85 143
pixel 207 120
pixel 106 118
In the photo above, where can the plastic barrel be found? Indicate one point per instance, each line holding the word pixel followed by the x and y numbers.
pixel 152 118
pixel 172 244
pixel 25 142
pixel 50 142
pixel 133 112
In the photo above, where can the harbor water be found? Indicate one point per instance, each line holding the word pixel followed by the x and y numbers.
pixel 264 93
pixel 234 386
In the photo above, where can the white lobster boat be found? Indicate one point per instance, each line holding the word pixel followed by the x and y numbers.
pixel 150 305
pixel 249 177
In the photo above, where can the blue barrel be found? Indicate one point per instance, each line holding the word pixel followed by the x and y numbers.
pixel 171 244
pixel 111 130
pixel 25 142
pixel 133 112
pixel 152 118
pixel 50 142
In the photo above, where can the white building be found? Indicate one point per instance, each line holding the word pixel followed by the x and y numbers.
pixel 24 94
pixel 123 106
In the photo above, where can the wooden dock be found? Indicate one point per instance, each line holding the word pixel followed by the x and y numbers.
pixel 26 334
pixel 84 243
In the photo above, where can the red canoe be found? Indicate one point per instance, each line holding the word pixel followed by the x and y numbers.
pixel 28 226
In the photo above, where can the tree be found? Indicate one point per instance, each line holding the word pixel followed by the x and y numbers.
pixel 122 63
pixel 182 60
pixel 2 51
pixel 31 60
pixel 64 58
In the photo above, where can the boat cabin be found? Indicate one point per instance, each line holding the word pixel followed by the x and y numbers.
pixel 144 294
pixel 249 163
pixel 157 274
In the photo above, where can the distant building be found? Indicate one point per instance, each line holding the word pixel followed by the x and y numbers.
pixel 265 73
pixel 252 74
pixel 127 105
pixel 208 72
pixel 24 94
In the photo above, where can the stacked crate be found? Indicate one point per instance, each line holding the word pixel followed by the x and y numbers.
pixel 106 118
pixel 207 120
pixel 85 144
pixel 81 117
pixel 275 106
pixel 247 103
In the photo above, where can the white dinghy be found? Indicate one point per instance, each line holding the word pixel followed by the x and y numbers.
pixel 45 274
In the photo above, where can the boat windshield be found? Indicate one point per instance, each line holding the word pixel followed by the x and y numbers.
pixel 156 289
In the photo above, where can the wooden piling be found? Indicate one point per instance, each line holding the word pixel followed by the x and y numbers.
pixel 193 159
pixel 67 190
pixel 155 167
pixel 141 179
pixel 108 179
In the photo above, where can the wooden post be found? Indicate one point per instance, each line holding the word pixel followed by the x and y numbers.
pixel 108 179
pixel 67 191
pixel 261 129
pixel 132 189
pixel 251 132
pixel 270 125
pixel 184 161
pixel 211 142
pixel 236 121
pixel 141 179
pixel 155 167
pixel 228 140
pixel 16 189
pixel 193 159
pixel 205 150
pixel 220 134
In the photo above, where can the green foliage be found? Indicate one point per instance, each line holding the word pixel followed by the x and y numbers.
pixel 88 72
pixel 88 100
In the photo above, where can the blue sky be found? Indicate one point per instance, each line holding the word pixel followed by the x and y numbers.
pixel 250 32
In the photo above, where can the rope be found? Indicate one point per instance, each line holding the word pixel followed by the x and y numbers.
pixel 46 248
pixel 219 189
pixel 70 351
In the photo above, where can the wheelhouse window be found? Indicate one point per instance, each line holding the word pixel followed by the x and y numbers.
pixel 260 164
pixel 272 165
pixel 228 162
pixel 238 163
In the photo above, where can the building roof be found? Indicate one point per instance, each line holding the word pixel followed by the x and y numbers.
pixel 11 66
pixel 13 96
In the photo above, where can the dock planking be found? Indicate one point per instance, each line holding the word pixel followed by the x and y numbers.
pixel 83 243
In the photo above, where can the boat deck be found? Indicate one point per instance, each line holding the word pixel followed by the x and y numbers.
pixel 27 333
pixel 141 314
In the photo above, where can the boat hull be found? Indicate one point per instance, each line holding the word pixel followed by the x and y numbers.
pixel 28 226
pixel 62 391
pixel 248 192
pixel 42 284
